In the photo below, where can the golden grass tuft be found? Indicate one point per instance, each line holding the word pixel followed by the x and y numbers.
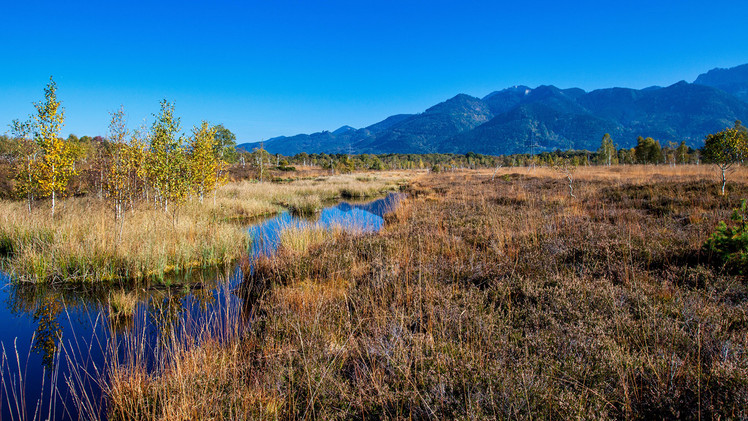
pixel 122 303
pixel 298 240
pixel 304 205
pixel 83 242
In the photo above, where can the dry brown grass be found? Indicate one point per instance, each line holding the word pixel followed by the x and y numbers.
pixel 325 187
pixel 631 174
pixel 206 382
pixel 195 372
pixel 499 298
pixel 83 242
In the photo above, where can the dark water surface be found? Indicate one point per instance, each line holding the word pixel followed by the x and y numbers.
pixel 46 329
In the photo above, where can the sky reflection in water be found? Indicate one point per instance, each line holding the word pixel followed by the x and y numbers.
pixel 35 319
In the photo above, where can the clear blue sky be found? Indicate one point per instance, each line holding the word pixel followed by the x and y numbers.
pixel 285 67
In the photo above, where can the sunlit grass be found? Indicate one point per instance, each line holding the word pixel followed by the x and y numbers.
pixel 494 298
pixel 122 303
pixel 83 242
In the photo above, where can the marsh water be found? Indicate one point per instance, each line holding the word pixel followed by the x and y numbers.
pixel 46 329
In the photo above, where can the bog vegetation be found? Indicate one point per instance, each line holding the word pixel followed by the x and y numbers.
pixel 484 297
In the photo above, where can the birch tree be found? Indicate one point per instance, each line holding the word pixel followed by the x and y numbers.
pixel 118 169
pixel 56 164
pixel 205 166
pixel 167 166
pixel 607 152
pixel 727 148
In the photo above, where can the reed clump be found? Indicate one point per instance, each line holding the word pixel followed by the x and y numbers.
pixel 122 303
pixel 504 297
pixel 298 239
pixel 196 370
pixel 304 205
pixel 205 382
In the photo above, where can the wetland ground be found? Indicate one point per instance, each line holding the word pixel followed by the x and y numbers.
pixel 485 295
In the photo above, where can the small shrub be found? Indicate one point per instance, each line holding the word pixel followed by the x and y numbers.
pixel 728 245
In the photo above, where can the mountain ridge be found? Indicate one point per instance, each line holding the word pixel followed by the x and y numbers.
pixel 509 120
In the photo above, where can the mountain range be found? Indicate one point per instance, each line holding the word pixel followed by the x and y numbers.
pixel 510 120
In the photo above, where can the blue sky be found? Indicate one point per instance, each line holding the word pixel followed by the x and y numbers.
pixel 285 67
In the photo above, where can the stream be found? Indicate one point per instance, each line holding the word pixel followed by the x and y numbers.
pixel 46 329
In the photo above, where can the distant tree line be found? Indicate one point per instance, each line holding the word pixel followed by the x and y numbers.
pixel 647 151
pixel 161 166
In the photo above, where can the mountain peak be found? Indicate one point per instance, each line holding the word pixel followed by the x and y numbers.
pixel 343 129
pixel 462 98
pixel 516 89
pixel 734 80
pixel 459 101
pixel 720 75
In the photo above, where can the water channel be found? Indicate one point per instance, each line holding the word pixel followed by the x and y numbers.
pixel 46 329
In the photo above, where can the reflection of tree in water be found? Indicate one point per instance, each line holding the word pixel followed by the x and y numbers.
pixel 165 311
pixel 202 285
pixel 48 331
pixel 45 309
pixel 45 304
pixel 204 297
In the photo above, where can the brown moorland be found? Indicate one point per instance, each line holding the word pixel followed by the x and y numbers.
pixel 483 297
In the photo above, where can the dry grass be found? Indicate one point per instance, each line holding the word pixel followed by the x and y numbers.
pixel 298 240
pixel 492 299
pixel 195 372
pixel 122 303
pixel 323 187
pixel 83 242
pixel 630 174
pixel 304 205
